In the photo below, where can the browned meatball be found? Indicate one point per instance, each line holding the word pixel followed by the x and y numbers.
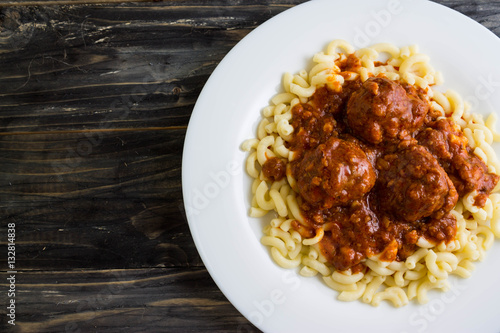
pixel 382 111
pixel 413 185
pixel 444 139
pixel 334 173
pixel 467 171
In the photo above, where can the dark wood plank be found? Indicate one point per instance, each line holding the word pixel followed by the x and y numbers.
pixel 82 66
pixel 92 301
pixel 486 12
pixel 63 2
pixel 105 200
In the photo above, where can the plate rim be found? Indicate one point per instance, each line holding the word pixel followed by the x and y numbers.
pixel 197 109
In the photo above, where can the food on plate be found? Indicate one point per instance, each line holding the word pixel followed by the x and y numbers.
pixel 378 181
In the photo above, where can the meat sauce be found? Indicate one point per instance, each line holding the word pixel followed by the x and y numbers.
pixel 376 170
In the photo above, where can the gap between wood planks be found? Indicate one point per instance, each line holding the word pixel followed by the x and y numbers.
pixel 97 130
pixel 67 2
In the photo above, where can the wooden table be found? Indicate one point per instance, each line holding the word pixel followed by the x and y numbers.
pixel 95 99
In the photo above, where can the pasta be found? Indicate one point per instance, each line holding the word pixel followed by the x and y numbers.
pixel 380 279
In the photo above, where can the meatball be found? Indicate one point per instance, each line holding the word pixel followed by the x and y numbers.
pixel 414 185
pixel 382 111
pixel 467 171
pixel 334 173
pixel 444 139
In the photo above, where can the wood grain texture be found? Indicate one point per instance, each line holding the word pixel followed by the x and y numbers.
pixel 94 105
pixel 94 109
pixel 95 99
pixel 86 301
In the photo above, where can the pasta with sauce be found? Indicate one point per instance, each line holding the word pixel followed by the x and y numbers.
pixel 379 182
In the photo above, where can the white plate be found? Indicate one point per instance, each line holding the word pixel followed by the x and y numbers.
pixel 217 190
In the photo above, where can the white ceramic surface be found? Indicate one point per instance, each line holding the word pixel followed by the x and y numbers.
pixel 216 188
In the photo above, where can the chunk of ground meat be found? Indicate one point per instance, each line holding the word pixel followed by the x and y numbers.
pixel 274 169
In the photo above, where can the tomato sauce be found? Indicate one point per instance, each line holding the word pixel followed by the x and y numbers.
pixel 377 170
